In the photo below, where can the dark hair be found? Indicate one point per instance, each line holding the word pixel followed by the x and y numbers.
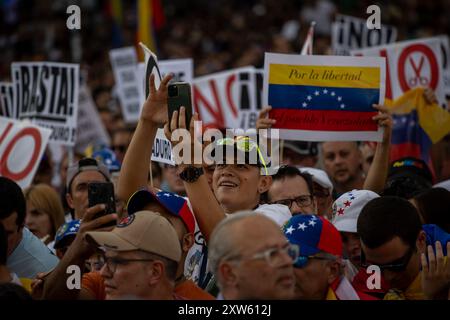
pixel 434 207
pixel 384 218
pixel 11 291
pixel 405 187
pixel 287 171
pixel 3 246
pixel 12 200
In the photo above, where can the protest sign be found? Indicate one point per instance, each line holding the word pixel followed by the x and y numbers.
pixel 349 33
pixel 324 98
pixel 230 99
pixel 411 64
pixel 445 49
pixel 162 149
pixel 124 64
pixel 7 106
pixel 47 94
pixel 90 127
pixel 183 70
pixel 21 147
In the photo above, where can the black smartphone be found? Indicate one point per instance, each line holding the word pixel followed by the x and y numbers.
pixel 102 193
pixel 179 95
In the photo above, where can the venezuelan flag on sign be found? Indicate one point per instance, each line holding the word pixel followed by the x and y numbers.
pixel 324 98
pixel 417 125
pixel 150 17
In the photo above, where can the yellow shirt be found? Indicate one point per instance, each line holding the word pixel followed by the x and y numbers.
pixel 413 292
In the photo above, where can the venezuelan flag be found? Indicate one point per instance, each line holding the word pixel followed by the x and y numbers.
pixel 150 18
pixel 114 10
pixel 324 98
pixel 417 125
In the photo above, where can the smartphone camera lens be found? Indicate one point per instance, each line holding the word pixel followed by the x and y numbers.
pixel 173 91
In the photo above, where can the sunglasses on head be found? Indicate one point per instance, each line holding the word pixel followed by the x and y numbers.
pixel 398 265
pixel 244 144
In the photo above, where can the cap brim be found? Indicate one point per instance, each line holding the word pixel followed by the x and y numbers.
pixel 139 200
pixel 64 241
pixel 305 250
pixel 346 225
pixel 109 240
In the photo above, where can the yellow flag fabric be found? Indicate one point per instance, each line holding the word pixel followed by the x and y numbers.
pixel 145 28
pixel 433 119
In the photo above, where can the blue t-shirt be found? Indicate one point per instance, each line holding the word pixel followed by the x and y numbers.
pixel 30 257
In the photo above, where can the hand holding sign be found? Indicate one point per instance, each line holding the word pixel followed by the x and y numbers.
pixel 384 120
pixel 264 122
pixel 155 107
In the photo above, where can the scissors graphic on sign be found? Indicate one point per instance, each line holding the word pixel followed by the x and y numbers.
pixel 418 79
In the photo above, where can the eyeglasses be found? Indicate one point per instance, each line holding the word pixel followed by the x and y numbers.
pixel 94 265
pixel 244 144
pixel 302 261
pixel 273 256
pixel 301 201
pixel 112 262
pixel 398 265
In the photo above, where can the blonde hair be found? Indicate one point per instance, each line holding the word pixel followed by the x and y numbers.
pixel 44 198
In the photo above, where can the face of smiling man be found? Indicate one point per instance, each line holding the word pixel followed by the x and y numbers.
pixel 239 186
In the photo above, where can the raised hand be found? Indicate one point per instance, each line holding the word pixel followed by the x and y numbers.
pixel 155 107
pixel 435 271
pixel 384 119
pixel 263 121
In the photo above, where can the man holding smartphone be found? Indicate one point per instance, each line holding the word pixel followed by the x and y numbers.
pixel 79 175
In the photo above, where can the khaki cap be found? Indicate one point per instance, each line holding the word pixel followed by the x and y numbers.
pixel 145 230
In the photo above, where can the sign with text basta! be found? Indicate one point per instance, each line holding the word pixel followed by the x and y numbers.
pixel 47 94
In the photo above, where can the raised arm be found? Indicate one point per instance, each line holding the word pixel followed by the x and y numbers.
pixel 207 210
pixel 55 284
pixel 136 164
pixel 378 171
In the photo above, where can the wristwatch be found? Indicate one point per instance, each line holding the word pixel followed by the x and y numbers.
pixel 191 174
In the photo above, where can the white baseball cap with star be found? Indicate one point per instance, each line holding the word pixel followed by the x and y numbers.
pixel 347 207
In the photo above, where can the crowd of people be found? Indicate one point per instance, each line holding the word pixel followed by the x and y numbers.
pixel 339 220
pixel 230 231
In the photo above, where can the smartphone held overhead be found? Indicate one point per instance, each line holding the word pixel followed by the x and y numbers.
pixel 179 95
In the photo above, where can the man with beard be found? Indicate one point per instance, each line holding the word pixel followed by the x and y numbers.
pixel 392 238
pixel 343 164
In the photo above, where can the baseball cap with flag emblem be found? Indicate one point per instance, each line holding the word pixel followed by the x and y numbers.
pixel 347 207
pixel 66 232
pixel 145 230
pixel 313 234
pixel 176 205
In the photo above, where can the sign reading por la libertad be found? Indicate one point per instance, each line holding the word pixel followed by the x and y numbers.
pixel 324 98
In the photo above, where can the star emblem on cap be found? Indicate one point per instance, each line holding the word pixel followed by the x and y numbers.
pixel 340 212
pixel 347 203
pixel 290 230
pixel 312 222
pixel 302 226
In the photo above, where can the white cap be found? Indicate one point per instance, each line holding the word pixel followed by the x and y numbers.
pixel 347 207
pixel 319 176
pixel 443 184
pixel 279 213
